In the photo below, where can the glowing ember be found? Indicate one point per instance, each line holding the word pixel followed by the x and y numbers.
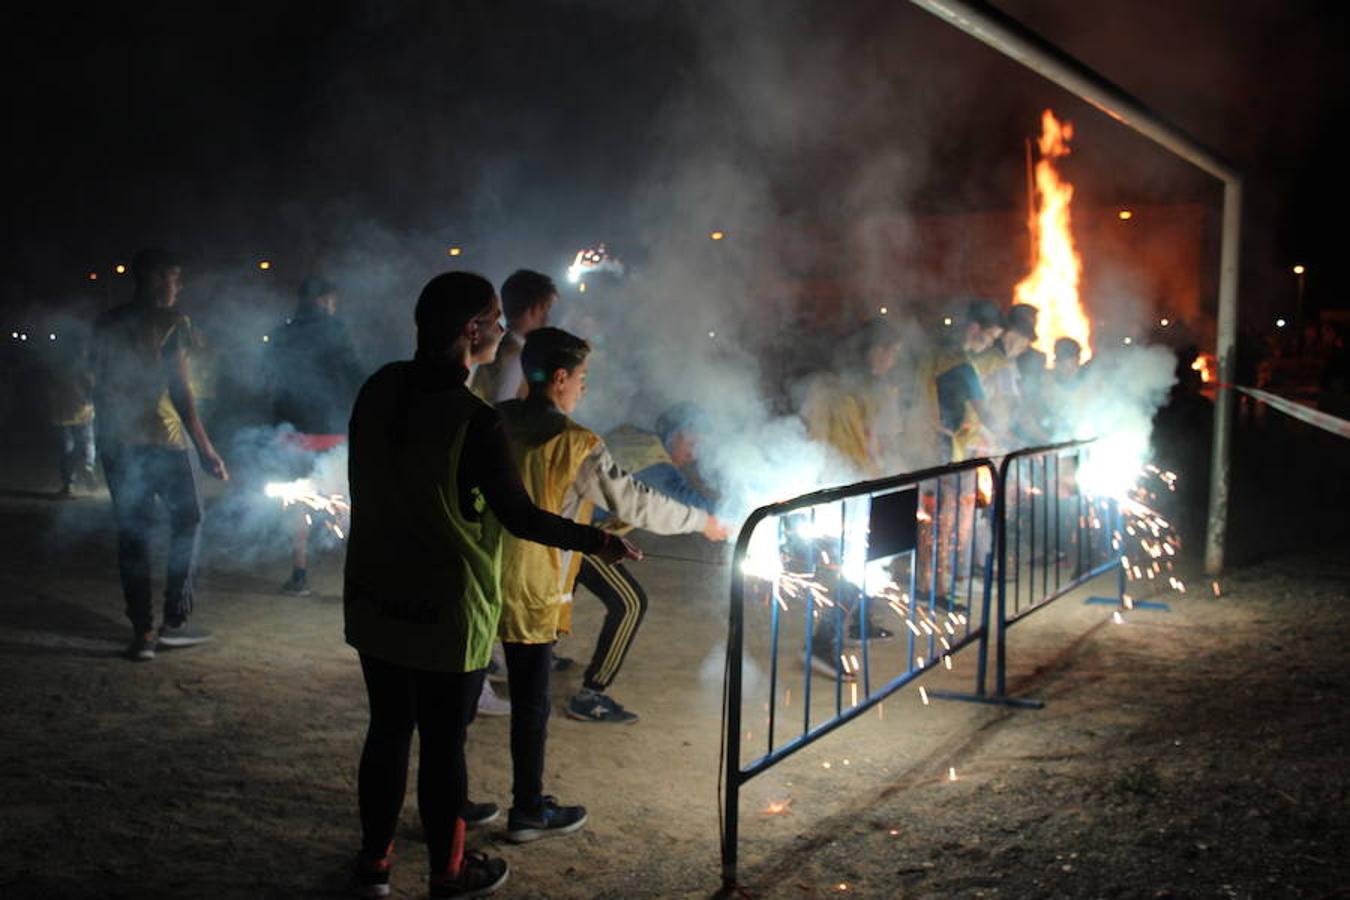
pixel 1052 285
pixel 1202 366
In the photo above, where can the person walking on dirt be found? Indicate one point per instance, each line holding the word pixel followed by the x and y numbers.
pixel 432 485
pixel 314 373
pixel 145 415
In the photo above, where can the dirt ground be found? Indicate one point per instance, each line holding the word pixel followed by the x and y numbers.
pixel 1198 752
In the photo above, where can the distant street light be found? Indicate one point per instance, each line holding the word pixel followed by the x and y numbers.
pixel 1298 305
pixel 717 235
pixel 1125 215
pixel 265 264
pixel 454 251
pixel 120 269
pixel 1279 323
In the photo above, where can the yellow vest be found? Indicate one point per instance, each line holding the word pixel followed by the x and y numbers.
pixel 536 581
pixel 842 418
pixel 634 449
pixel 967 434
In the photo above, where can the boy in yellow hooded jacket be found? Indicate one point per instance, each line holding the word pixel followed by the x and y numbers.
pixel 567 470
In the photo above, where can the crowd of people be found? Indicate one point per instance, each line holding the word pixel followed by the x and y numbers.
pixel 479 504
pixel 471 524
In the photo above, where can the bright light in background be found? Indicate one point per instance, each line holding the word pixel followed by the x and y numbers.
pixel 267 338
pixel 454 251
pixel 14 335
pixel 717 235
pixel 1299 270
pixel 884 310
pixel 265 264
pixel 593 259
pixel 1279 323
pixel 52 336
pixel 1128 341
pixel 1164 322
pixel 947 320
pixel 120 269
pixel 582 287
pixel 712 334
pixel 23 335
pixel 1125 215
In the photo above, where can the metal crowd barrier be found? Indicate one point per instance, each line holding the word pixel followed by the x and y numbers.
pixel 911 543
pixel 1050 538
pixel 919 544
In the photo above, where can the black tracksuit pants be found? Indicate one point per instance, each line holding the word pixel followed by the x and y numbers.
pixel 625 605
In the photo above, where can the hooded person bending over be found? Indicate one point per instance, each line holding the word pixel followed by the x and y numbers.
pixel 433 485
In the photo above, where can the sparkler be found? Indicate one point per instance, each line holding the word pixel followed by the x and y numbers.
pixel 335 507
pixel 593 259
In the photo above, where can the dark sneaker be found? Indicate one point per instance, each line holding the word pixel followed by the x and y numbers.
pixel 947 603
pixel 552 821
pixel 874 632
pixel 563 663
pixel 296 586
pixel 370 877
pixel 184 635
pixel 592 706
pixel 481 875
pixel 142 647
pixel 476 814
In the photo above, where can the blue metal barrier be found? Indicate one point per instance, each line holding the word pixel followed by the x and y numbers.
pixel 1056 531
pixel 910 544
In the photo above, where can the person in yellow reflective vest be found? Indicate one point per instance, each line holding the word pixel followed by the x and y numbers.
pixel 856 410
pixel 568 470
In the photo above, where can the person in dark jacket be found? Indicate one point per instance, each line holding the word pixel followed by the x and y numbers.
pixel 433 484
pixel 314 373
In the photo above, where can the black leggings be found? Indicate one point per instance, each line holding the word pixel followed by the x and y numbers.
pixel 441 705
pixel 625 606
pixel 528 667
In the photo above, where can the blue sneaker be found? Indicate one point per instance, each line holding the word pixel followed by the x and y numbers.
pixel 593 706
pixel 552 820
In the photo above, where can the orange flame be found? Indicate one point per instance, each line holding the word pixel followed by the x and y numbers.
pixel 1201 365
pixel 984 487
pixel 1052 285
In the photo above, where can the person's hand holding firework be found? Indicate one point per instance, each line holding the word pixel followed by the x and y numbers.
pixel 617 549
pixel 715 530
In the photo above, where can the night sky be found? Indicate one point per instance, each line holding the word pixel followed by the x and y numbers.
pixel 288 130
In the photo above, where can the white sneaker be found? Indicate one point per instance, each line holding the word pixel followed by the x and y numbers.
pixel 489 704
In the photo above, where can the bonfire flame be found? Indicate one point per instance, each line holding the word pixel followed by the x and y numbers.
pixel 1052 285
